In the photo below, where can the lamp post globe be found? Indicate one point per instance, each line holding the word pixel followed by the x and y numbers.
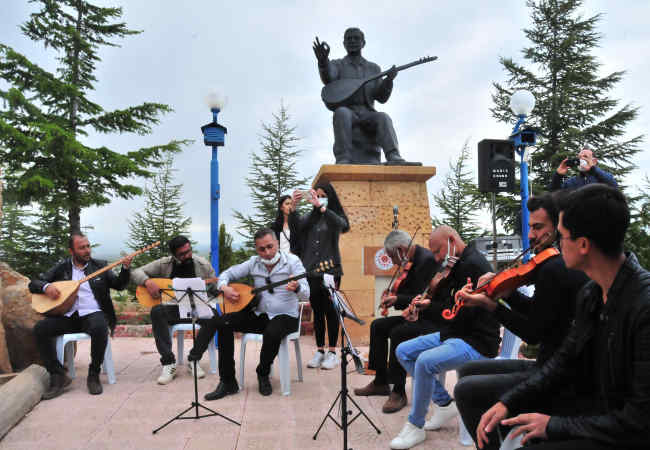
pixel 522 102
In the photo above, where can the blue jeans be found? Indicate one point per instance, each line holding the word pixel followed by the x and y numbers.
pixel 425 357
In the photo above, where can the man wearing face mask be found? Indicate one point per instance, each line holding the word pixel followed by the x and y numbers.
pixel 396 328
pixel 180 264
pixel 274 316
pixel 588 172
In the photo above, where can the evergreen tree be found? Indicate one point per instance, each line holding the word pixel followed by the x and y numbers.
pixel 17 246
pixel 458 198
pixel 271 174
pixel 637 238
pixel 228 256
pixel 573 106
pixel 44 116
pixel 162 218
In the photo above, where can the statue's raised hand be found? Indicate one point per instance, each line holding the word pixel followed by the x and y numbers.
pixel 322 51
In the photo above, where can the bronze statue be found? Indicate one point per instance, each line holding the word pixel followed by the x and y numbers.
pixel 358 128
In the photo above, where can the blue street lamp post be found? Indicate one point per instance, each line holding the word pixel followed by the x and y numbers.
pixel 214 135
pixel 522 103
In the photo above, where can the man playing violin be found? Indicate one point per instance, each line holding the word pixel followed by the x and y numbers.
pixel 275 315
pixel 544 319
pixel 471 334
pixel 605 357
pixel 180 264
pixel 412 282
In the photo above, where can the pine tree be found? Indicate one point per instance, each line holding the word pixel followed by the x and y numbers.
pixel 228 256
pixel 573 106
pixel 271 174
pixel 162 218
pixel 637 238
pixel 44 116
pixel 458 198
pixel 17 235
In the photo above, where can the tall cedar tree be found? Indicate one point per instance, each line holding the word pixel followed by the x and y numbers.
pixel 44 116
pixel 162 218
pixel 458 197
pixel 572 104
pixel 17 246
pixel 271 174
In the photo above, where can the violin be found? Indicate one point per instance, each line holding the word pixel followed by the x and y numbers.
pixel 504 281
pixel 393 287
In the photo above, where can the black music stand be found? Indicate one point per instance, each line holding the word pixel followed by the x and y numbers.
pixel 189 292
pixel 346 349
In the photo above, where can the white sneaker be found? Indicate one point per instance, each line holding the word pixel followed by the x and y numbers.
pixel 441 416
pixel 316 361
pixel 199 371
pixel 168 373
pixel 331 361
pixel 408 437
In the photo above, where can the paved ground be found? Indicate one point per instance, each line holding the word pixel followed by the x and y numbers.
pixel 124 416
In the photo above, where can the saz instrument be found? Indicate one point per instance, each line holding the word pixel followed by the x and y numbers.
pixel 338 92
pixel 68 289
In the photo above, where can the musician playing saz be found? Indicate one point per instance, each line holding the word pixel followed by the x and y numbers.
pixel 544 319
pixel 275 316
pixel 91 313
pixel 396 328
pixel 180 264
pixel 359 109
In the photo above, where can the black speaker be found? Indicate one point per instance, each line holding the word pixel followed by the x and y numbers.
pixel 496 165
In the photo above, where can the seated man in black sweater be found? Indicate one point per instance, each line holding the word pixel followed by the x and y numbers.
pixel 543 319
pixel 387 368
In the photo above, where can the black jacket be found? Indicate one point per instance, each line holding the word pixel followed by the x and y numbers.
pixel 622 417
pixel 100 285
pixel 476 326
pixel 295 244
pixel 545 318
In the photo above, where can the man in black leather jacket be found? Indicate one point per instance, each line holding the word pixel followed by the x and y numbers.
pixel 606 355
pixel 92 312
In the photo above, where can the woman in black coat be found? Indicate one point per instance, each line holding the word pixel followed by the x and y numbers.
pixel 319 234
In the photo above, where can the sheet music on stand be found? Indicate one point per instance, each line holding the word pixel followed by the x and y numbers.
pixel 330 284
pixel 200 298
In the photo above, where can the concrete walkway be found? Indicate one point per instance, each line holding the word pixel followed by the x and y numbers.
pixel 124 416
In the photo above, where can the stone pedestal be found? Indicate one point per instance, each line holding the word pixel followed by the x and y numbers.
pixel 368 194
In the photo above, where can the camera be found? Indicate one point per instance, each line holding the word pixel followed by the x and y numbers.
pixel 573 162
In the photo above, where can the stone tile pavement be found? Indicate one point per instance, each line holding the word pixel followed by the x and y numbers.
pixel 124 416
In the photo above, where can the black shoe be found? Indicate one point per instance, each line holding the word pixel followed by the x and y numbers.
pixel 58 382
pixel 265 385
pixel 394 156
pixel 93 383
pixel 222 390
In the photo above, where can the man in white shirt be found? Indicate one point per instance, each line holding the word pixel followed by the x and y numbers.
pixel 275 314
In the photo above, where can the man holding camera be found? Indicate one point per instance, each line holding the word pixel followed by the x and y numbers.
pixel 588 173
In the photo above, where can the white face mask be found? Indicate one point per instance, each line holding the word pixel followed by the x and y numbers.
pixel 446 260
pixel 274 260
pixel 323 201
pixel 583 165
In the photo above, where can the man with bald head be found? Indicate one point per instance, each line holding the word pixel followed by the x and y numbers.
pixel 472 334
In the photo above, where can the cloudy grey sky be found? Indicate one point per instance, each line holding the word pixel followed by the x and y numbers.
pixel 258 54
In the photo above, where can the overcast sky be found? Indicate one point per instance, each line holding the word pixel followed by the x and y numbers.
pixel 258 54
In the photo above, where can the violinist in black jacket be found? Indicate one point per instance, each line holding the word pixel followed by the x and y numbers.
pixel 387 368
pixel 606 355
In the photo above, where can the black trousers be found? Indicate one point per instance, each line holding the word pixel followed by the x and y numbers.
pixel 162 316
pixel 387 367
pixel 273 330
pixel 323 309
pixel 93 324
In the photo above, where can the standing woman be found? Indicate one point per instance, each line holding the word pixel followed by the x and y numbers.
pixel 286 232
pixel 319 233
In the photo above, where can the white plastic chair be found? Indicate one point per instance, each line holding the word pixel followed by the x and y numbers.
pixel 180 329
pixel 283 355
pixel 67 358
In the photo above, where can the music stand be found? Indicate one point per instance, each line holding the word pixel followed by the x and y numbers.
pixel 344 311
pixel 190 293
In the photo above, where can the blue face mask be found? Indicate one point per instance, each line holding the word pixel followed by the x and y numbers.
pixel 323 201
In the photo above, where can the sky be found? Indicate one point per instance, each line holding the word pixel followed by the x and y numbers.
pixel 258 55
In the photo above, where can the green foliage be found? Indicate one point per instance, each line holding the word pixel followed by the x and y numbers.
pixel 43 114
pixel 458 198
pixel 228 256
pixel 637 238
pixel 162 218
pixel 572 106
pixel 271 174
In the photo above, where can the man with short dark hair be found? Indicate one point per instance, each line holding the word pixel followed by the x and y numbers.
pixel 275 315
pixel 605 357
pixel 588 172
pixel 91 313
pixel 180 264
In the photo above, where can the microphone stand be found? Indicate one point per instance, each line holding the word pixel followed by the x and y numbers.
pixel 189 292
pixel 343 396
